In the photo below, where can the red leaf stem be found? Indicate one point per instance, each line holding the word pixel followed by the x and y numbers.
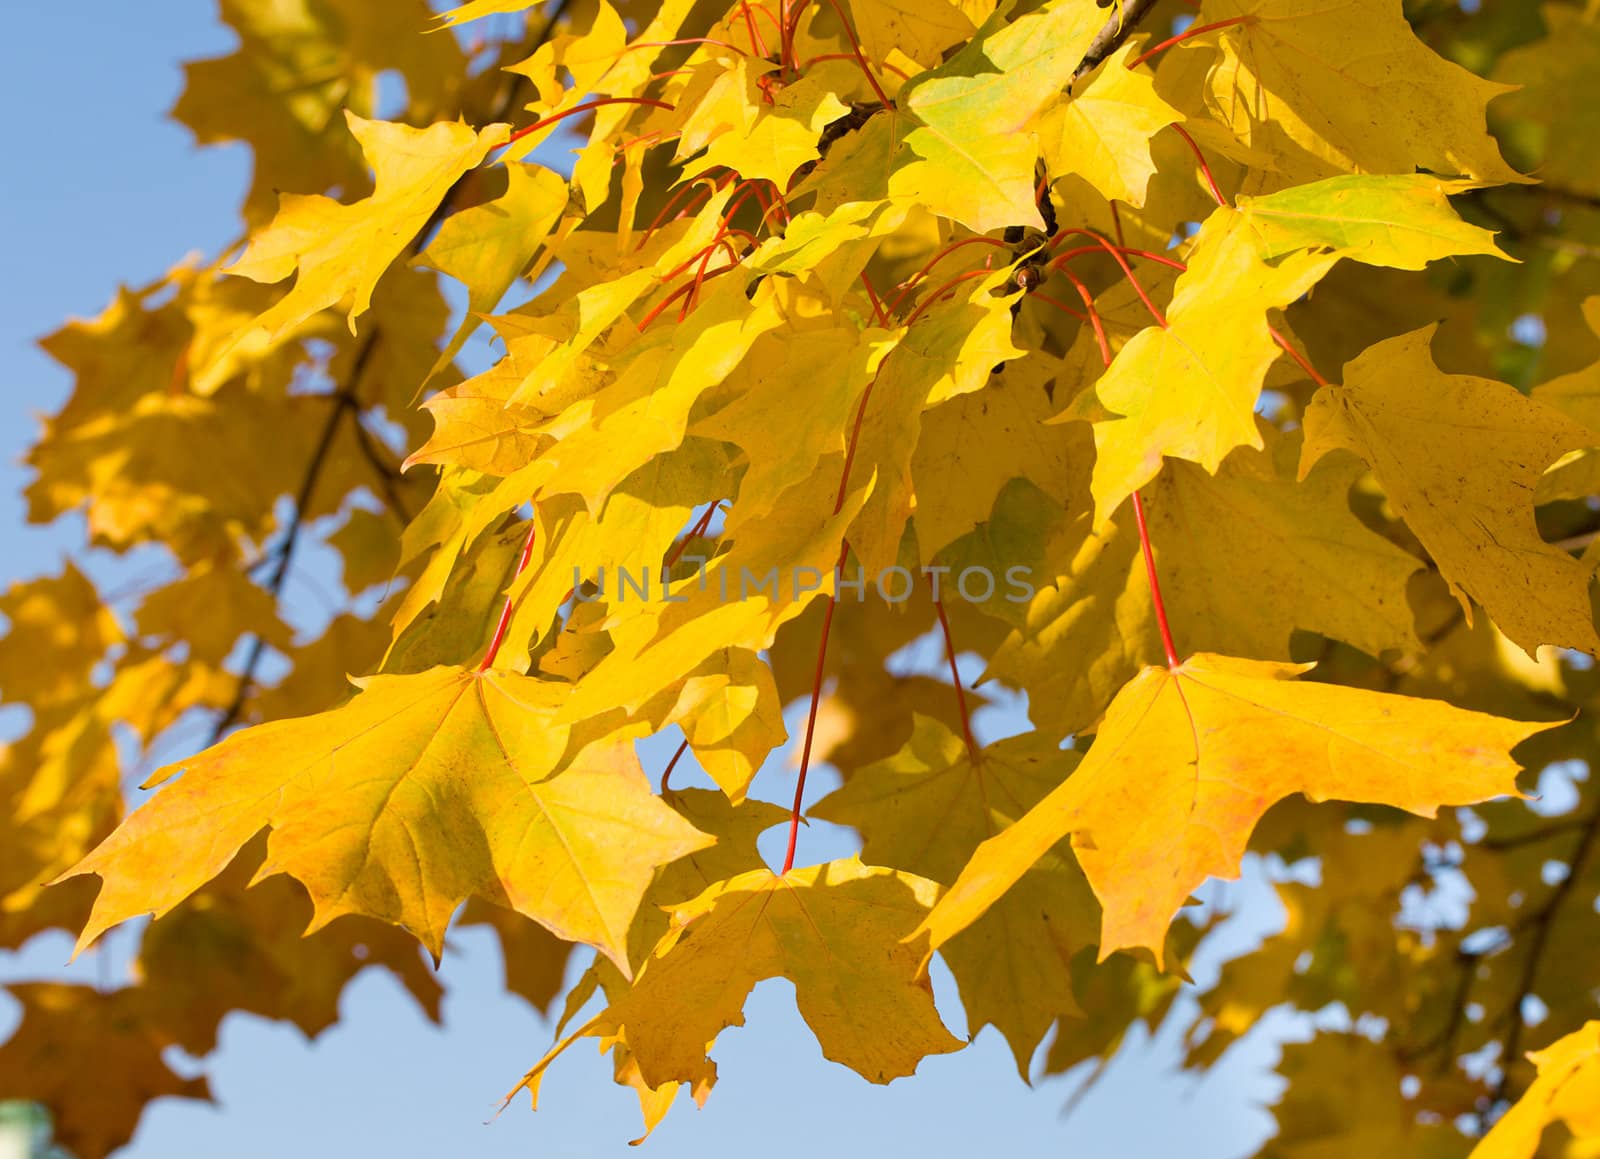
pixel 505 612
pixel 827 627
pixel 911 283
pixel 666 774
pixel 1204 165
pixel 583 108
pixel 1155 583
pixel 955 677
pixel 1186 34
pixel 1116 256
pixel 878 312
pixel 942 290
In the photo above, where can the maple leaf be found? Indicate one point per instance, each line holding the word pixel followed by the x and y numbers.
pixel 1459 456
pixel 488 246
pixel 69 1031
pixel 1188 389
pixel 867 1006
pixel 1299 90
pixel 1566 1091
pixel 961 140
pixel 296 66
pixel 775 327
pixel 228 947
pixel 1187 761
pixel 1103 132
pixel 465 788
pixel 1403 222
pixel 60 618
pixel 925 810
pixel 731 717
pixel 340 251
pixel 1550 111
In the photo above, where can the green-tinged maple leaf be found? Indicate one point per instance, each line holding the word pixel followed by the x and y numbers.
pixel 1577 394
pixel 835 930
pixel 1402 221
pixel 1188 759
pixel 1567 1091
pixel 466 788
pixel 1548 123
pixel 1459 457
pixel 962 141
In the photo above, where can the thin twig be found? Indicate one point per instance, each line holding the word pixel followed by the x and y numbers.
pixel 1116 30
pixel 388 474
pixel 1541 924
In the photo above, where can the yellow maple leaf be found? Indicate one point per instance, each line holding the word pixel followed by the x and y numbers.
pixel 1566 1091
pixel 463 787
pixel 486 247
pixel 1188 390
pixel 68 1032
pixel 730 713
pixel 228 947
pixel 1103 132
pixel 1342 87
pixel 1187 761
pixel 925 810
pixel 1459 457
pixel 834 929
pixel 340 251
pixel 922 29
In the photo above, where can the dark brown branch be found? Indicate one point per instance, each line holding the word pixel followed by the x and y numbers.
pixel 1444 1041
pixel 1540 923
pixel 1544 833
pixel 388 474
pixel 1116 30
pixel 342 402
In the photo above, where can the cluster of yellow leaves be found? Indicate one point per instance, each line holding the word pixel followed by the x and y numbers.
pixel 895 289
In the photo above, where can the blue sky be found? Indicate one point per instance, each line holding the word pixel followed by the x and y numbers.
pixel 99 189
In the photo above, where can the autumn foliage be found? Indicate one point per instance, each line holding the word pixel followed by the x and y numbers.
pixel 1225 378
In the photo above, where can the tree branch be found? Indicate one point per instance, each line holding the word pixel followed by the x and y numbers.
pixel 1116 30
pixel 1541 924
pixel 387 473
